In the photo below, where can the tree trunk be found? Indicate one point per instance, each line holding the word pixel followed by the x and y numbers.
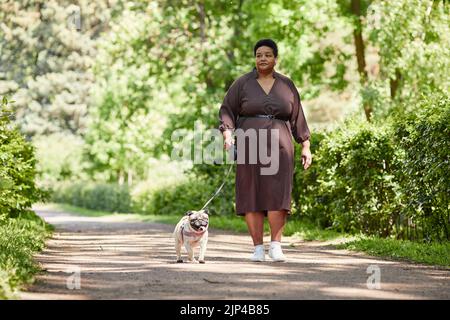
pixel 394 83
pixel 360 56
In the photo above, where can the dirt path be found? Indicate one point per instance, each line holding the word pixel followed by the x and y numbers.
pixel 117 259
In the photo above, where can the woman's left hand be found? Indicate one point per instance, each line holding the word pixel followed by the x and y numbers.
pixel 306 157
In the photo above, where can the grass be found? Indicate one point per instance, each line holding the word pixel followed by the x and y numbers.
pixel 427 253
pixel 309 232
pixel 20 239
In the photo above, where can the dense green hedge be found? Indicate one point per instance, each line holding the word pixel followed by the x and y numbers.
pixel 101 196
pixel 193 194
pixel 385 179
pixel 351 186
pixel 424 138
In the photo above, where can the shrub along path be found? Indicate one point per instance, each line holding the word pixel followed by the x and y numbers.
pixel 119 259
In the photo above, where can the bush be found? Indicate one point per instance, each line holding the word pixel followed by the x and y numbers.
pixel 20 238
pixel 192 194
pixel 424 137
pixel 106 197
pixel 383 179
pixel 188 194
pixel 22 233
pixel 352 187
pixel 18 190
pixel 306 200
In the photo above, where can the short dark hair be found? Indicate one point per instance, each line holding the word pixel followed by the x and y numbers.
pixel 268 43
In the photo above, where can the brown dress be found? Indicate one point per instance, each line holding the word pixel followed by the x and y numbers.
pixel 246 97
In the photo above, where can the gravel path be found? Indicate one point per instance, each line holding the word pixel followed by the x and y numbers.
pixel 118 259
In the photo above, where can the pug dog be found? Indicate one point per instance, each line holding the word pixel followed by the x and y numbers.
pixel 192 231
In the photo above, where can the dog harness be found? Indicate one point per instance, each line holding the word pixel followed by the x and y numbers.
pixel 190 233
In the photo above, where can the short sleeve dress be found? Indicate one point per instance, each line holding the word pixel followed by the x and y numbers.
pixel 246 98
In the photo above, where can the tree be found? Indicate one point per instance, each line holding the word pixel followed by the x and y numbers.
pixel 413 44
pixel 47 51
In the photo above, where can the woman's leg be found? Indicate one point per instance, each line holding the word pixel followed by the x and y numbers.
pixel 255 224
pixel 277 220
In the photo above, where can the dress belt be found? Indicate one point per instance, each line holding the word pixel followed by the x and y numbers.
pixel 267 116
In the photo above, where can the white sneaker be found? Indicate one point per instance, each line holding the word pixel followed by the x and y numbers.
pixel 259 255
pixel 276 254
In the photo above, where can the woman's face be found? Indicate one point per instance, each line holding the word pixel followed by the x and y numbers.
pixel 265 59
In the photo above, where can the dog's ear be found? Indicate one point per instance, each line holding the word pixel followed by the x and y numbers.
pixel 206 211
pixel 189 213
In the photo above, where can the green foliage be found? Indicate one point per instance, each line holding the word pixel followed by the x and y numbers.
pixel 412 37
pixel 306 34
pixel 128 107
pixel 387 179
pixel 164 174
pixel 305 183
pixel 107 197
pixel 21 232
pixel 423 135
pixel 429 253
pixel 60 158
pixel 20 238
pixel 18 190
pixel 306 230
pixel 47 51
pixel 168 66
pixel 190 194
pixel 164 197
pixel 352 185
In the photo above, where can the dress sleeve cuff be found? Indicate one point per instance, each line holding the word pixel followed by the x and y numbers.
pixel 224 127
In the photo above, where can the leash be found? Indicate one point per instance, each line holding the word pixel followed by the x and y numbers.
pixel 220 188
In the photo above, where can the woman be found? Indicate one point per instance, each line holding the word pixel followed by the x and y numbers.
pixel 265 99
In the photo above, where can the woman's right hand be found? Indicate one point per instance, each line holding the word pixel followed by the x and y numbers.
pixel 227 140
